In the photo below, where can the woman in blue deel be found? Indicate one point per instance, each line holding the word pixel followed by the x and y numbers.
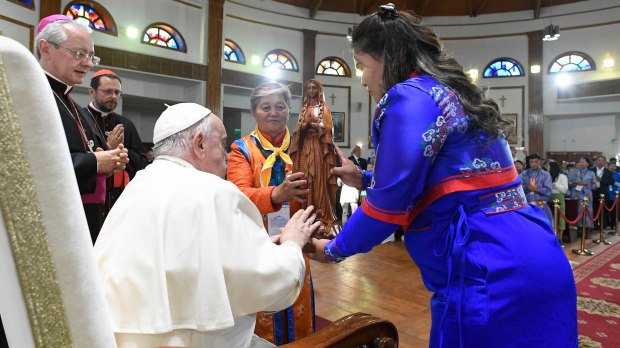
pixel 444 172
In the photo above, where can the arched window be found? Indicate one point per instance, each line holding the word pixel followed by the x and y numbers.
pixel 570 62
pixel 232 52
pixel 92 14
pixel 164 35
pixel 26 3
pixel 503 67
pixel 280 59
pixel 333 66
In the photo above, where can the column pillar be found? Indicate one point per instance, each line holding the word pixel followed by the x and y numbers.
pixel 214 55
pixel 535 118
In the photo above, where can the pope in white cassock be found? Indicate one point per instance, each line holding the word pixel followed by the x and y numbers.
pixel 183 254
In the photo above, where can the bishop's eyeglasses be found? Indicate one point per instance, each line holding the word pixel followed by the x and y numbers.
pixel 80 55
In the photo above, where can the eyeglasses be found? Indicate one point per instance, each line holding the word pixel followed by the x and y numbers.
pixel 111 92
pixel 278 107
pixel 83 56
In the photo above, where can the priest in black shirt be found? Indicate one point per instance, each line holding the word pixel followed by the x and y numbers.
pixel 105 89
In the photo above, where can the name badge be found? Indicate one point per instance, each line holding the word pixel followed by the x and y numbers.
pixel 278 219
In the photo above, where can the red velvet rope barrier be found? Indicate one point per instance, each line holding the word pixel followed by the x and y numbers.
pixel 598 213
pixel 613 205
pixel 569 221
pixel 579 216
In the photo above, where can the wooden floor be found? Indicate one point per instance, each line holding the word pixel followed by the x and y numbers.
pixel 387 284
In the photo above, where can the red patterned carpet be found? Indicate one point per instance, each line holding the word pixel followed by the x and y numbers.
pixel 598 299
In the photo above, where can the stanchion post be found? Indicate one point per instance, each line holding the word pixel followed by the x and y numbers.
pixel 601 220
pixel 617 201
pixel 584 221
pixel 556 220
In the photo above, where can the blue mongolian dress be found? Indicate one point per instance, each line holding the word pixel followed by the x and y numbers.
pixel 583 191
pixel 499 276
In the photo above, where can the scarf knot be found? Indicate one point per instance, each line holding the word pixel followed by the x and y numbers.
pixel 265 173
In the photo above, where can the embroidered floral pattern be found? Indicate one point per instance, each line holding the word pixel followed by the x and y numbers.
pixel 452 119
pixel 331 257
pixel 380 111
pixel 509 199
pixel 479 165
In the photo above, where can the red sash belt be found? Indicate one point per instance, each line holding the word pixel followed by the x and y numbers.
pixel 457 183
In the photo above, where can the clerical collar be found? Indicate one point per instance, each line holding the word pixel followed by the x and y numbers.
pixel 57 85
pixel 103 114
pixel 175 160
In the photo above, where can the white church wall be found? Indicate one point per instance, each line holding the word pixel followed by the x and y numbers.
pixel 15 22
pixel 583 133
pixel 258 39
pixel 597 42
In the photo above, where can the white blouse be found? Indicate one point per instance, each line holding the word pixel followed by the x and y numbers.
pixel 560 185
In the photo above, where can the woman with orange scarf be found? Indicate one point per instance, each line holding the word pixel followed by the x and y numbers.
pixel 260 166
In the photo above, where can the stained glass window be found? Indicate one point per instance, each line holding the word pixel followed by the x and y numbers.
pixel 26 3
pixel 280 59
pixel 232 52
pixel 503 67
pixel 333 66
pixel 92 14
pixel 570 62
pixel 164 35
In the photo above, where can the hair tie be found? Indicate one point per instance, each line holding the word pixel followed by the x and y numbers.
pixel 387 11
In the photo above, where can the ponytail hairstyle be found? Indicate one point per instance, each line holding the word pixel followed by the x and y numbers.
pixel 406 46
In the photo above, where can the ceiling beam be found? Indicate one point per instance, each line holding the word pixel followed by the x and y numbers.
pixel 422 7
pixel 314 7
pixel 470 9
pixel 537 9
pixel 371 7
pixel 359 7
pixel 480 7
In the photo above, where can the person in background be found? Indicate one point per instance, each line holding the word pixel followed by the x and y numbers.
pixel 183 255
pixel 537 185
pixel 349 198
pixel 105 89
pixel 445 174
pixel 260 166
pixel 559 188
pixel 564 168
pixel 614 161
pixel 356 157
pixel 519 166
pixel 613 189
pixel 604 179
pixel 149 155
pixel 581 181
pixel 66 52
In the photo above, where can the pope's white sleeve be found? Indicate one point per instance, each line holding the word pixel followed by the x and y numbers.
pixel 260 276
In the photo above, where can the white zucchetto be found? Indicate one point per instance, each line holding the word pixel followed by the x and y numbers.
pixel 177 118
